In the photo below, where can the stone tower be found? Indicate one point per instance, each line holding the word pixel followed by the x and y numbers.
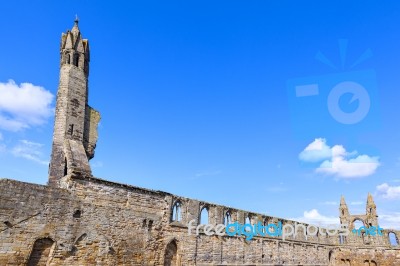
pixel 75 126
pixel 344 211
pixel 372 217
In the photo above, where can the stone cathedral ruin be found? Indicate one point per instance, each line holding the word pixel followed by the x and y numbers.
pixel 78 219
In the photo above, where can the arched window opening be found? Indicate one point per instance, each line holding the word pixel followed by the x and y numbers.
pixel 247 222
pixel 65 167
pixel 330 255
pixel 76 59
pixel 364 238
pixel 204 216
pixel 41 252
pixel 170 256
pixel 71 126
pixel 227 218
pixel 357 224
pixel 394 241
pixel 67 58
pixel 265 225
pixel 176 212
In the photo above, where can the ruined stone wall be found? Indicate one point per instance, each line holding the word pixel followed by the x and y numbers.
pixel 96 222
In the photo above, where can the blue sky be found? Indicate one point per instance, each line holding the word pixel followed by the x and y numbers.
pixel 198 99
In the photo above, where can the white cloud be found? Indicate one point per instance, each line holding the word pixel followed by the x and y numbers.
pixel 2 145
pixel 316 151
pixel 314 217
pixel 386 220
pixel 30 151
pixel 390 220
pixel 356 203
pixel 24 105
pixel 336 161
pixel 388 192
pixel 277 188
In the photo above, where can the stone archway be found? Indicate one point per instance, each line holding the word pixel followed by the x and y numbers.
pixel 41 252
pixel 331 257
pixel 356 223
pixel 393 239
pixel 171 254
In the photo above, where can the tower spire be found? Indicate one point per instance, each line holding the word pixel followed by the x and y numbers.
pixel 342 200
pixel 370 199
pixel 75 28
pixel 75 126
pixel 343 211
pixel 372 217
pixel 76 19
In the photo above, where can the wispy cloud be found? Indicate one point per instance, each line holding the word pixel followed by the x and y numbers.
pixel 388 192
pixel 96 164
pixel 390 220
pixel 2 145
pixel 206 174
pixel 357 203
pixel 332 203
pixel 386 220
pixel 24 105
pixel 337 162
pixel 29 150
pixel 277 188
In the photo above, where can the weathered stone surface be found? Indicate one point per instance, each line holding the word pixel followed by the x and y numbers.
pixel 92 119
pixel 96 222
pixel 82 220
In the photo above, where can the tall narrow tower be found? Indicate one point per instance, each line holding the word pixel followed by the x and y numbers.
pixel 372 217
pixel 75 127
pixel 344 211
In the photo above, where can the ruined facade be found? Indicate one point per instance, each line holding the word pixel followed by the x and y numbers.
pixel 78 219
